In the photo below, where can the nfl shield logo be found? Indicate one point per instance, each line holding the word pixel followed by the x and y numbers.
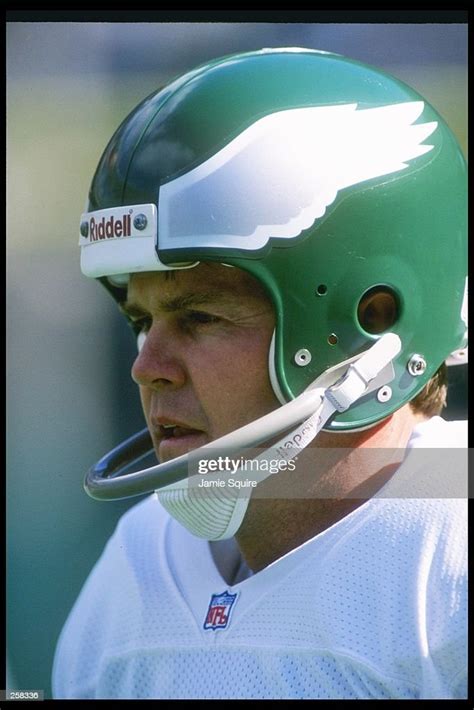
pixel 218 613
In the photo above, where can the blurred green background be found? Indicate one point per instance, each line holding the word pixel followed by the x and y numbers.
pixel 69 396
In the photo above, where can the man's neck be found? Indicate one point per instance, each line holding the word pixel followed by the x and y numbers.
pixel 339 473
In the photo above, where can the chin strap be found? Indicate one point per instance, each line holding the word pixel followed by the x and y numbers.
pixel 372 370
pixel 107 481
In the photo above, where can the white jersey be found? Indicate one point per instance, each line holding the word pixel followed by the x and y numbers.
pixel 372 607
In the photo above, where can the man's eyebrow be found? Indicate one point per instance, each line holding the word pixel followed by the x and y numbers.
pixel 177 303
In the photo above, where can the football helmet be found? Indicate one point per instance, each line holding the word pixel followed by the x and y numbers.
pixel 334 184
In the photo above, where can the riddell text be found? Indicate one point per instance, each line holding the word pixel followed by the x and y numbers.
pixel 111 228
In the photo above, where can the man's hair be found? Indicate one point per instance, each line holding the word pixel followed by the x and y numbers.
pixel 432 398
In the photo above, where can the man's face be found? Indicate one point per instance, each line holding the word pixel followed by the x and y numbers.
pixel 203 368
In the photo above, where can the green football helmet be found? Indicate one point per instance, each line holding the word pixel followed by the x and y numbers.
pixel 334 184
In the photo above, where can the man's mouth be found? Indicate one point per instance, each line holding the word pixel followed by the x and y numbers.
pixel 175 439
pixel 176 431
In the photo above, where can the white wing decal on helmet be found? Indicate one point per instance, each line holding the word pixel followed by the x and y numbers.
pixel 279 175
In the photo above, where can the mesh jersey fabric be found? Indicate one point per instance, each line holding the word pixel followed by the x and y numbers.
pixel 372 607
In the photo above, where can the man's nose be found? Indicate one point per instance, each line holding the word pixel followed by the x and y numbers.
pixel 158 363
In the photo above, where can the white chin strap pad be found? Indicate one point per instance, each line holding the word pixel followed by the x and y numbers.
pixel 213 514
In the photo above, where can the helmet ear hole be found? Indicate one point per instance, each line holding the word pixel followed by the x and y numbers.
pixel 378 310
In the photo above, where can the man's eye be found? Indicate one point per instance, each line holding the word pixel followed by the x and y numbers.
pixel 142 325
pixel 201 317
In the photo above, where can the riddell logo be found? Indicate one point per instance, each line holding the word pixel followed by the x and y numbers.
pixel 111 228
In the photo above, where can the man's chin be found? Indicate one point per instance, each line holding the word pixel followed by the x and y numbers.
pixel 172 447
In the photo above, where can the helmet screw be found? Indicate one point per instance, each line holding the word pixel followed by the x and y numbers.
pixel 384 394
pixel 416 365
pixel 303 357
pixel 140 222
pixel 84 229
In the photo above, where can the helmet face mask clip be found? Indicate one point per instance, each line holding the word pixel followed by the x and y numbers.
pixel 335 186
